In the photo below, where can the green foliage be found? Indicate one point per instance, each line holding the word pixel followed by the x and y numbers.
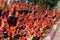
pixel 45 3
pixel 54 3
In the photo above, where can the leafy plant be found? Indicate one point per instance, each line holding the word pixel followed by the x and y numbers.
pixel 45 3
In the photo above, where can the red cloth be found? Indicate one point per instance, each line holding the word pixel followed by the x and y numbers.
pixel 15 6
pixel 0 18
pixel 6 2
pixel 2 39
pixel 23 14
pixel 12 28
pixel 36 29
pixel 38 24
pixel 41 21
pixel 17 10
pixel 23 23
pixel 47 21
pixel 1 31
pixel 12 2
pixel 5 19
pixel 57 15
pixel 9 33
pixel 50 13
pixel 27 24
pixel 18 21
pixel 23 5
pixel 2 0
pixel 22 38
pixel 16 2
pixel 4 11
pixel 7 26
pixel 39 33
